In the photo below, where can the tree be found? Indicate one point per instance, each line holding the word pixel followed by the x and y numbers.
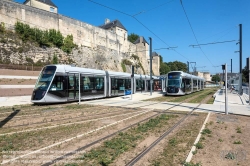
pixel 177 66
pixel 164 68
pixel 245 75
pixel 133 37
pixel 216 78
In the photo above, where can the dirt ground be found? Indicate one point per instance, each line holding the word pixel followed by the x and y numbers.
pixel 228 144
pixel 15 91
pixel 19 72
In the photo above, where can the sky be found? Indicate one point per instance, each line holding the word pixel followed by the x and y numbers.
pixel 178 24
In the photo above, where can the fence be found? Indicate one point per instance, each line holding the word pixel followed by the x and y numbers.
pixel 20 67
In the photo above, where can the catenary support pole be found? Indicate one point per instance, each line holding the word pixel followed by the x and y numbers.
pixel 240 51
pixel 231 66
pixel 226 97
pixel 151 81
pixel 249 81
pixel 79 88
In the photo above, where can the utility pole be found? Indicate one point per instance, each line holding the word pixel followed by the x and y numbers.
pixel 231 66
pixel 226 99
pixel 151 81
pixel 240 51
pixel 248 68
pixel 188 66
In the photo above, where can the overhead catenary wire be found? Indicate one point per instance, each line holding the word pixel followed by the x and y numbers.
pixel 139 23
pixel 194 33
pixel 193 45
pixel 153 8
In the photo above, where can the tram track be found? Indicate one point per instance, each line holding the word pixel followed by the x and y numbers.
pixel 84 120
pixel 144 152
pixel 69 118
pixel 104 138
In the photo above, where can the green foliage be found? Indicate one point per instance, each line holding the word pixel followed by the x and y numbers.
pixel 135 57
pixel 199 145
pixel 2 27
pixel 220 140
pixel 47 38
pixel 192 164
pixel 133 37
pixel 124 141
pixel 206 131
pixel 230 156
pixel 164 68
pixel 238 130
pixel 123 67
pixel 245 74
pixel 55 59
pixel 126 62
pixel 68 44
pixel 141 67
pixel 29 60
pixel 173 142
pixel 177 66
pixel 216 78
pixel 194 152
pixel 237 142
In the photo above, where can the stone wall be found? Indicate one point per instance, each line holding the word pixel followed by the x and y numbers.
pixel 93 42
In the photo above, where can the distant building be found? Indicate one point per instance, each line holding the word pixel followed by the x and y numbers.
pixel 229 76
pixel 47 5
pixel 205 75
pixel 115 27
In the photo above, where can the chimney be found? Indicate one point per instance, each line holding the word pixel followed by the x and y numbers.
pixel 107 21
pixel 141 39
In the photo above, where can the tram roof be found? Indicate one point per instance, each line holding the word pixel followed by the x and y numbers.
pixel 118 74
pixel 72 69
pixel 187 74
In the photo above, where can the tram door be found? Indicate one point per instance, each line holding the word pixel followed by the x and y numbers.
pixel 73 87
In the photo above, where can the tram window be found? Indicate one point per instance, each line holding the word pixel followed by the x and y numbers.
pixel 127 83
pixel 57 84
pixel 90 83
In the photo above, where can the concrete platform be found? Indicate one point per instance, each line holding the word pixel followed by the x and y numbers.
pixel 236 104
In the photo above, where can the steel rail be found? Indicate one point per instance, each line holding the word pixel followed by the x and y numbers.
pixel 145 151
pixel 101 139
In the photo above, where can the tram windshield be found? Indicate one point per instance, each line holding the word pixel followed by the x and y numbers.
pixel 174 79
pixel 45 77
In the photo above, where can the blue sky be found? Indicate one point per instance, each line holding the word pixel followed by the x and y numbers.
pixel 165 22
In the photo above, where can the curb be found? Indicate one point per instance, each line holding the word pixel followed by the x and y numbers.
pixel 190 155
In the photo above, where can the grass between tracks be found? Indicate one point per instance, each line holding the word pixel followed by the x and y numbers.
pixel 32 140
pixel 178 146
pixel 200 96
pixel 124 141
pixel 207 93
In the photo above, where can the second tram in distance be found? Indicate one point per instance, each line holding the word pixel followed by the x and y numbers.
pixel 181 83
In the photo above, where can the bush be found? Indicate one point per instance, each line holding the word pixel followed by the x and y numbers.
pixel 47 38
pixel 199 145
pixel 126 62
pixel 68 44
pixel 2 27
pixel 55 59
pixel 123 67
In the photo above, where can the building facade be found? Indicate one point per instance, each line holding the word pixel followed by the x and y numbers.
pixel 112 38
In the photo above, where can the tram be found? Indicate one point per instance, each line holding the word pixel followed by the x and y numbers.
pixel 181 83
pixel 65 83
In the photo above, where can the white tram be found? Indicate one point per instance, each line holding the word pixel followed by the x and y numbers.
pixel 64 83
pixel 181 83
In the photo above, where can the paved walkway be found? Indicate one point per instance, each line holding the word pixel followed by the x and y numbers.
pixel 236 104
